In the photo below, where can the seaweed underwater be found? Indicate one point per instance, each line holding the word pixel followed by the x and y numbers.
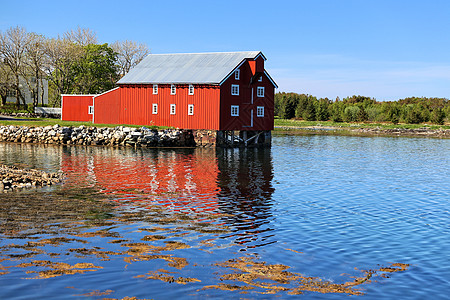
pixel 49 235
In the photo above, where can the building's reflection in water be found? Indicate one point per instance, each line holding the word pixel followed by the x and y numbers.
pixel 237 182
pixel 245 182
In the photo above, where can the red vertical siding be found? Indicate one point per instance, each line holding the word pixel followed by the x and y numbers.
pixel 107 107
pixel 136 106
pixel 244 100
pixel 76 107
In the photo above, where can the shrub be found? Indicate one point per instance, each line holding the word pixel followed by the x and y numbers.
pixel 351 113
pixel 413 115
pixel 437 116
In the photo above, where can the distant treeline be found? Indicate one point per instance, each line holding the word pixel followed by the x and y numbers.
pixel 361 109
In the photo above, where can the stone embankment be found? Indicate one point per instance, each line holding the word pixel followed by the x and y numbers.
pixel 425 132
pixel 83 135
pixel 12 178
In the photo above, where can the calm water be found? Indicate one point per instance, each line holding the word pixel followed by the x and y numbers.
pixel 318 217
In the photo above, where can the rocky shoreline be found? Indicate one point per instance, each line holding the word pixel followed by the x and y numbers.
pixel 83 135
pixel 416 132
pixel 12 178
pixel 424 132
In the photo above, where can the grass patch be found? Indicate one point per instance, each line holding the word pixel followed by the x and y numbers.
pixel 295 124
pixel 306 124
pixel 42 122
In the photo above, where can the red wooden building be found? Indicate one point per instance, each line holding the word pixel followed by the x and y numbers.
pixel 227 92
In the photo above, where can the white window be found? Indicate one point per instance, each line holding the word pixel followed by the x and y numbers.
pixel 235 110
pixel 154 108
pixel 260 91
pixel 260 111
pixel 190 109
pixel 173 109
pixel 173 89
pixel 191 89
pixel 237 74
pixel 235 89
pixel 91 110
pixel 260 79
pixel 155 89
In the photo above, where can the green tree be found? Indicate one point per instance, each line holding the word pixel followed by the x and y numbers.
pixel 287 107
pixel 393 113
pixel 309 114
pixel 362 115
pixel 412 115
pixel 96 71
pixel 306 107
pixel 322 113
pixel 437 116
pixel 351 113
pixel 336 110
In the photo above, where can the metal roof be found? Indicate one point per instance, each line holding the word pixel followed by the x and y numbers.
pixel 195 68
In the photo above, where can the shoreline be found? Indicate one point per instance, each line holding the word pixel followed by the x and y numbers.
pixel 360 131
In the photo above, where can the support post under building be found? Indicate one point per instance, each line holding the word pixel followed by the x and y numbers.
pixel 232 138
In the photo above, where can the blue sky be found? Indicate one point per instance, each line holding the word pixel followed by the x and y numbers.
pixel 327 48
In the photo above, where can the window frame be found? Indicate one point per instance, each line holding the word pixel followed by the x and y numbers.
pixel 233 87
pixel 237 74
pixel 190 109
pixel 191 89
pixel 260 78
pixel 235 110
pixel 258 89
pixel 155 89
pixel 154 108
pixel 90 109
pixel 258 110
pixel 173 109
pixel 173 89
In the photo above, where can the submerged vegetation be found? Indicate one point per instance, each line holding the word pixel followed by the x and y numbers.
pixel 411 110
pixel 40 228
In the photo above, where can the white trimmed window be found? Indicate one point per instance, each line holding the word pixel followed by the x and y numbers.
pixel 260 91
pixel 173 89
pixel 235 89
pixel 190 109
pixel 235 110
pixel 260 79
pixel 191 89
pixel 155 89
pixel 91 110
pixel 154 108
pixel 173 109
pixel 237 74
pixel 260 111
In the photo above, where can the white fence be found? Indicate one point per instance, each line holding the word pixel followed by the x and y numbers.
pixel 47 110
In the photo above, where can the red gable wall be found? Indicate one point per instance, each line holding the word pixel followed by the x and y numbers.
pixel 76 107
pixel 245 102
pixel 107 108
